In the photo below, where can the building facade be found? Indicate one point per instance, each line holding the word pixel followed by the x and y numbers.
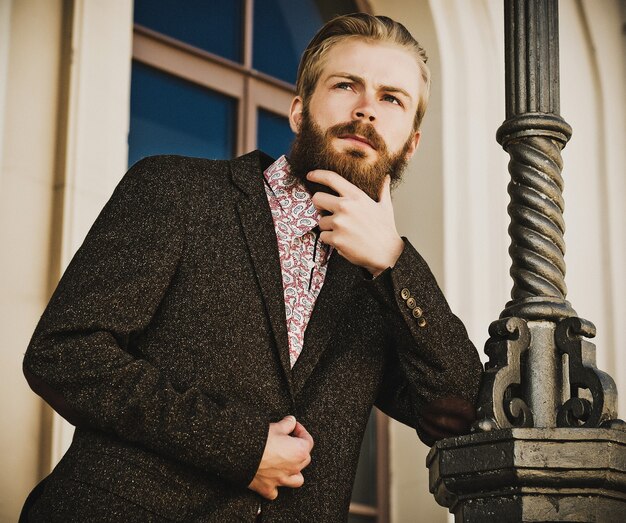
pixel 68 129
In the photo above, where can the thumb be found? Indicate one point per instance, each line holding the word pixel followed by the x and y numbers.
pixel 384 196
pixel 287 424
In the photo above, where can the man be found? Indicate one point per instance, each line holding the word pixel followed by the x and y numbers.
pixel 221 336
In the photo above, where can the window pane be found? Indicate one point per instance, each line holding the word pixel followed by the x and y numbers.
pixel 364 490
pixel 172 116
pixel 212 26
pixel 283 28
pixel 274 135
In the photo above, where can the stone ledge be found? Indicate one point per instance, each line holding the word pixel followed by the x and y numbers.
pixel 532 475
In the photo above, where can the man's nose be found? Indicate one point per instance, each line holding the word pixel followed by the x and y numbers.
pixel 364 110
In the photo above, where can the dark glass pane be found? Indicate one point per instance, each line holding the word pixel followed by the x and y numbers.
pixel 274 135
pixel 212 26
pixel 364 490
pixel 331 8
pixel 283 28
pixel 172 116
pixel 353 518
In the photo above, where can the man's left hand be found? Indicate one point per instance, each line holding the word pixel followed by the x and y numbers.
pixel 363 231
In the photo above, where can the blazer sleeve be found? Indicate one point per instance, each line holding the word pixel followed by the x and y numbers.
pixel 434 371
pixel 80 358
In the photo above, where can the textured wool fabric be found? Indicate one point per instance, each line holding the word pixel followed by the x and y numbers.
pixel 165 342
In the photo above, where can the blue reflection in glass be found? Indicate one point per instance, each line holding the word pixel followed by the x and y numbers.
pixel 212 26
pixel 274 135
pixel 282 30
pixel 172 116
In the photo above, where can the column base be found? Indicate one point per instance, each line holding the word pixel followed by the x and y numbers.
pixel 524 475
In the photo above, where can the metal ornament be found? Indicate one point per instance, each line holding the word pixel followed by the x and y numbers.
pixel 547 445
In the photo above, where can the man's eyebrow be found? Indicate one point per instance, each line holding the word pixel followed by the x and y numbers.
pixel 347 76
pixel 359 80
pixel 392 89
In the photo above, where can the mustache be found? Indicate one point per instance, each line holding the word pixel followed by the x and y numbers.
pixel 359 128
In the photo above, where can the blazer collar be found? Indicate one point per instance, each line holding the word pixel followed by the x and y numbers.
pixel 260 236
pixel 341 278
pixel 247 173
pixel 258 228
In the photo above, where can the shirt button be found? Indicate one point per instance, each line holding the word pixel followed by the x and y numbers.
pixel 417 313
pixel 421 322
pixel 405 294
pixel 411 303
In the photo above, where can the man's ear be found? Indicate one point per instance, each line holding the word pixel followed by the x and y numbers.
pixel 295 114
pixel 413 145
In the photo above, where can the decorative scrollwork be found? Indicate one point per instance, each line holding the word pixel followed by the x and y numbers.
pixel 579 411
pixel 499 406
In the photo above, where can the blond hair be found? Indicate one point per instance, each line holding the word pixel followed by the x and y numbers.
pixel 366 27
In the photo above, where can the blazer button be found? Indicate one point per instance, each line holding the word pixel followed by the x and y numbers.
pixel 422 322
pixel 411 303
pixel 417 313
pixel 405 294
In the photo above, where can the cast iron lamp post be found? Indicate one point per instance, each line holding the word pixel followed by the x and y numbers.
pixel 547 445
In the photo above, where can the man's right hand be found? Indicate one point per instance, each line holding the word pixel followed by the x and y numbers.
pixel 287 452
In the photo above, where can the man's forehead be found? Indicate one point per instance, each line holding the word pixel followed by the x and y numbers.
pixel 381 63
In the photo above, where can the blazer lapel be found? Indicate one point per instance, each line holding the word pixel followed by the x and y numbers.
pixel 340 278
pixel 260 236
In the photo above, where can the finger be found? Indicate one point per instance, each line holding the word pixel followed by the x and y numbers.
pixel 448 424
pixel 327 238
pixel 326 223
pixel 294 481
pixel 333 180
pixel 302 433
pixel 270 494
pixel 286 425
pixel 264 490
pixel 324 201
pixel 305 463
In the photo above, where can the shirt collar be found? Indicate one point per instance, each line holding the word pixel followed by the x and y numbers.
pixel 290 197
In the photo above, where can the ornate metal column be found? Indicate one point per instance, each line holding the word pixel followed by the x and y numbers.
pixel 547 445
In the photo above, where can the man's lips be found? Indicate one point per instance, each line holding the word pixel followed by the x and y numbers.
pixel 358 139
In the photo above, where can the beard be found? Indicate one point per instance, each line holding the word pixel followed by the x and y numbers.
pixel 312 149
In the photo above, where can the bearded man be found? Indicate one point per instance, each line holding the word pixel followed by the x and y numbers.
pixel 222 334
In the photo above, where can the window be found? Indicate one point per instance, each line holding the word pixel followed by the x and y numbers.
pixel 216 79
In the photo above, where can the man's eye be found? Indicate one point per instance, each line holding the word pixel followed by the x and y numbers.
pixel 343 85
pixel 392 99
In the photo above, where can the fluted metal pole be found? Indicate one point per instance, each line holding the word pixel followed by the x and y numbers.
pixel 540 393
pixel 547 445
pixel 534 134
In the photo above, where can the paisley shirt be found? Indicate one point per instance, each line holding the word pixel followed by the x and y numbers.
pixel 303 258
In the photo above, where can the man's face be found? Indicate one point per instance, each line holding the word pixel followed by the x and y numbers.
pixel 359 119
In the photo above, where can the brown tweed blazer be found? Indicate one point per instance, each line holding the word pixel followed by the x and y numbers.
pixel 165 343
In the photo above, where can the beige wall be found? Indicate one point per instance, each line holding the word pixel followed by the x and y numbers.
pixel 26 178
pixel 63 129
pixel 63 126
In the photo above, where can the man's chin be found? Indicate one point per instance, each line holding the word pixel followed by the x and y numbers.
pixel 363 155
